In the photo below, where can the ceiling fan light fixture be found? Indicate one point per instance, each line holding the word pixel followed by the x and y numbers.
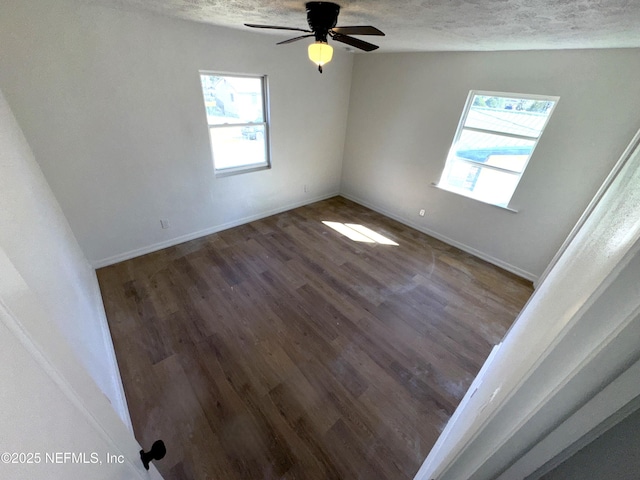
pixel 322 18
pixel 320 53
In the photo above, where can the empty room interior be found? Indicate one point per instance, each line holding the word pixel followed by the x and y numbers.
pixel 373 240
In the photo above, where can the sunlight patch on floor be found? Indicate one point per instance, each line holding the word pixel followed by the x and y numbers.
pixel 359 233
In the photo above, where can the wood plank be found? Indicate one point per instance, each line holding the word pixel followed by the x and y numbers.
pixel 283 350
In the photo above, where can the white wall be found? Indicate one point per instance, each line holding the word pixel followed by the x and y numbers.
pixel 110 102
pixel 403 114
pixel 37 240
pixel 616 454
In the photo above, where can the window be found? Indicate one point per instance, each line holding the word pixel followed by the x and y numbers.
pixel 495 139
pixel 237 116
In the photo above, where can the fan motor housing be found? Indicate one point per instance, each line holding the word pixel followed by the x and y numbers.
pixel 322 16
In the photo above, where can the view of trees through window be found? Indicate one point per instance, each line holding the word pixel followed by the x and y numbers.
pixel 518 104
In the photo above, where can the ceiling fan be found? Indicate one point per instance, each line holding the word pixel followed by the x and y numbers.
pixel 322 18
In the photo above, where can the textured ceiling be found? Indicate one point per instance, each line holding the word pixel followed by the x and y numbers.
pixel 435 25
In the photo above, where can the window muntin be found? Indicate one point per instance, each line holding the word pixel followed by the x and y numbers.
pixel 236 111
pixel 494 142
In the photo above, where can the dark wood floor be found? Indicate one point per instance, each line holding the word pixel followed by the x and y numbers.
pixel 283 350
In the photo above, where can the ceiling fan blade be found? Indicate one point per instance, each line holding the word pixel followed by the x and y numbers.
pixel 273 27
pixel 361 30
pixel 294 39
pixel 354 42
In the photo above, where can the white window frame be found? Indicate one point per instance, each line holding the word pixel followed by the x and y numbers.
pixel 442 183
pixel 263 165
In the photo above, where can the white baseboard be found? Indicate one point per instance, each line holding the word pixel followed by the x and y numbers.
pixel 121 257
pixel 466 248
pixel 241 221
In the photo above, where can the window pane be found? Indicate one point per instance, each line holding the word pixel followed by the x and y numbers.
pixel 484 184
pixel 238 121
pixel 496 150
pixel 238 146
pixel 463 175
pixel 232 99
pixel 495 187
pixel 515 116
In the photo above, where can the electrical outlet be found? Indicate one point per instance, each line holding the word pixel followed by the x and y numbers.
pixel 164 223
pixel 306 188
pixel 422 212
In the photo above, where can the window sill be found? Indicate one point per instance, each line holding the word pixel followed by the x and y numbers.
pixel 227 172
pixel 508 209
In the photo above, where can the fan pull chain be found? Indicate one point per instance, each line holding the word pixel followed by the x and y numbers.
pixel 320 68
